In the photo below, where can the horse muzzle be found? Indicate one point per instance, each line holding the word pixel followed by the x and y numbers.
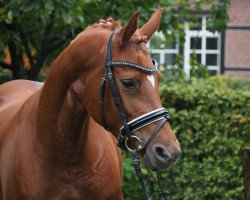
pixel 159 157
pixel 156 156
pixel 126 132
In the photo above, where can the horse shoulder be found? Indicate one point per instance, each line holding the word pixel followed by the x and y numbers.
pixel 109 143
pixel 108 171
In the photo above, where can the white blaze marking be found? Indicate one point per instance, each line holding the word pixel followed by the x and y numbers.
pixel 151 79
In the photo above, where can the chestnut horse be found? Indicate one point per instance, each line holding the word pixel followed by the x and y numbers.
pixel 52 141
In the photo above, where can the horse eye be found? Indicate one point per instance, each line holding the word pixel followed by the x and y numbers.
pixel 129 84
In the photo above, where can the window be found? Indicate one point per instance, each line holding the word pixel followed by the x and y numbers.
pixel 164 52
pixel 203 46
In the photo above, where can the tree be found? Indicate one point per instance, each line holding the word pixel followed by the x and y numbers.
pixel 39 30
pixel 36 29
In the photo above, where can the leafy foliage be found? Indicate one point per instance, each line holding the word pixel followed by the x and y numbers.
pixel 211 118
pixel 4 76
pixel 36 29
pixel 40 30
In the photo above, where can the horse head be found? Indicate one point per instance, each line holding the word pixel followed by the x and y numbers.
pixel 136 86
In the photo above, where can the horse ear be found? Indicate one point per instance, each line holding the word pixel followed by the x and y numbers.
pixel 152 25
pixel 129 29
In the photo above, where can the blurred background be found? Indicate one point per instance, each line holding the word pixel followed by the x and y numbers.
pixel 202 47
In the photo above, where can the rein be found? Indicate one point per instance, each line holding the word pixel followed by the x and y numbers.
pixel 128 128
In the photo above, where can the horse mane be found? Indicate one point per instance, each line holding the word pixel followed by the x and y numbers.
pixel 108 24
pixel 111 25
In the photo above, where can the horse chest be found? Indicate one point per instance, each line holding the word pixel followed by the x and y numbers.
pixel 98 184
pixel 89 186
pixel 36 181
pixel 101 181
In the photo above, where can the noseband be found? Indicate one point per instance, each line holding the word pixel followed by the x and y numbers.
pixel 126 132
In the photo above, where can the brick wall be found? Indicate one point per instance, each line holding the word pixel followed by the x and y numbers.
pixel 236 73
pixel 237 48
pixel 237 39
pixel 239 12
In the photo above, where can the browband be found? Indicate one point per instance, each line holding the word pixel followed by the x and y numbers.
pixel 143 69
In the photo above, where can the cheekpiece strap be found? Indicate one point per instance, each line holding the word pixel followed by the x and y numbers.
pixel 115 94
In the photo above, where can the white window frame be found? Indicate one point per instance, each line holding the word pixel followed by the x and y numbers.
pixel 203 34
pixel 163 51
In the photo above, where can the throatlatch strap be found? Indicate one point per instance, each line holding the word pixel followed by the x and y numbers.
pixel 102 100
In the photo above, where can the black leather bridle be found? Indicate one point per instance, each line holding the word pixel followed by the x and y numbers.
pixel 128 128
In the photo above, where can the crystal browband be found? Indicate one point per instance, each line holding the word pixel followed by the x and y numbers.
pixel 150 70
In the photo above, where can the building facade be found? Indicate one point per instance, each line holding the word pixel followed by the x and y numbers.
pixel 236 40
pixel 227 52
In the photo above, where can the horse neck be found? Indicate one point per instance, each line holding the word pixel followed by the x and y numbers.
pixel 63 120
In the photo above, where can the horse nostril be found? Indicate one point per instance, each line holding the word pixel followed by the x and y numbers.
pixel 161 152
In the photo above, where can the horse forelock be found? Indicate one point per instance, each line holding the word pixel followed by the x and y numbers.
pixel 108 24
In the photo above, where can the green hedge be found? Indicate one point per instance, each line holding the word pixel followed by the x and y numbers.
pixel 212 121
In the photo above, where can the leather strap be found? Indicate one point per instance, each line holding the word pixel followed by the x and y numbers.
pixel 146 70
pixel 102 100
pixel 137 167
pixel 147 119
pixel 152 136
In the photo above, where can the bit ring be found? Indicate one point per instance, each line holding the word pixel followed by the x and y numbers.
pixel 139 146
